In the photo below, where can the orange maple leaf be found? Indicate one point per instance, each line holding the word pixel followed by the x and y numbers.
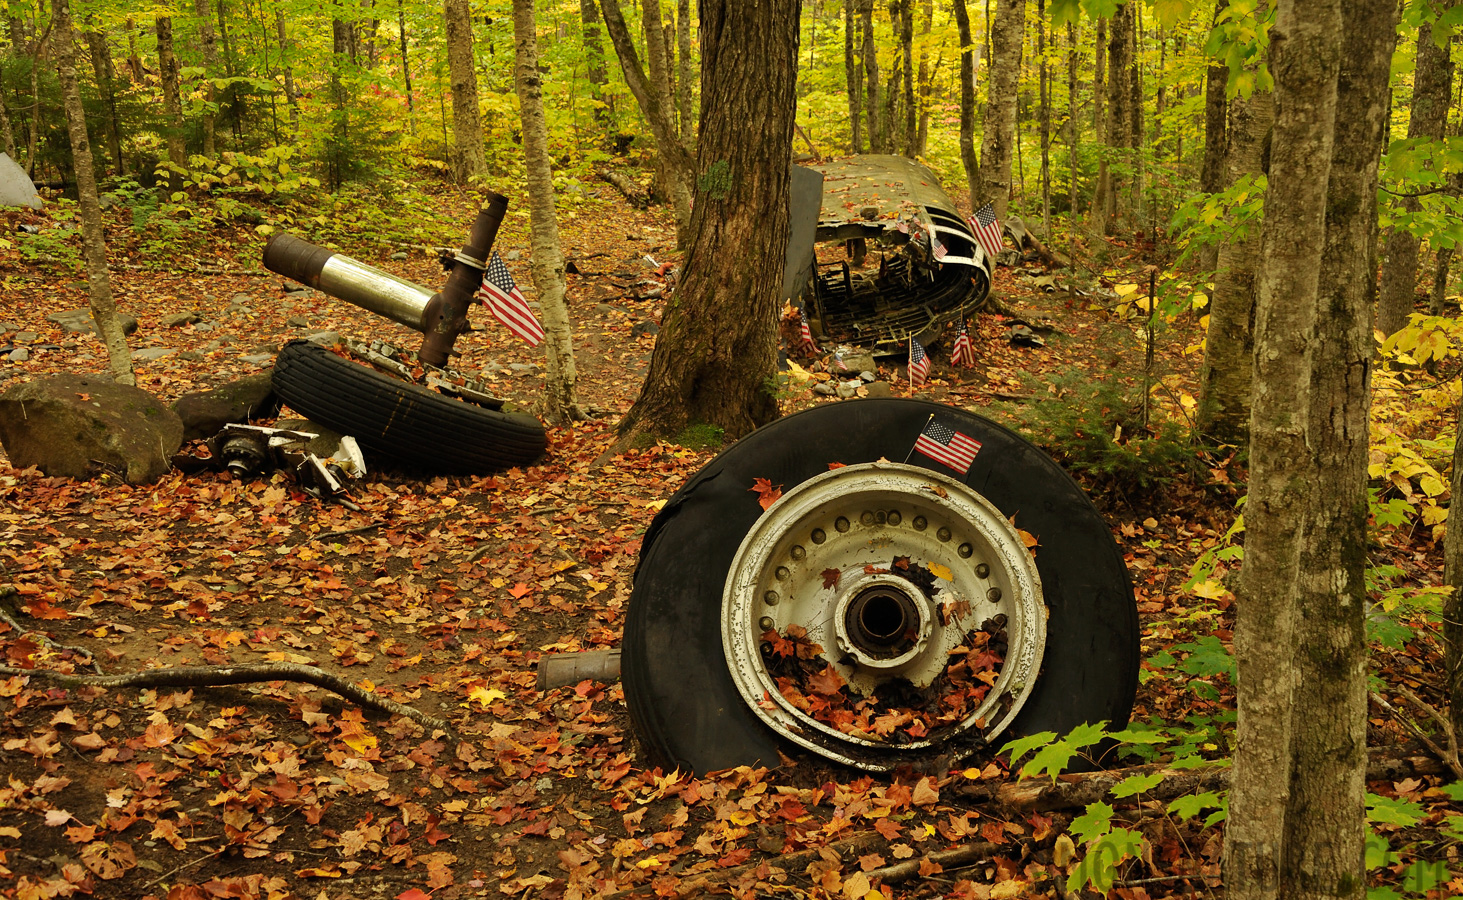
pixel 826 682
pixel 766 493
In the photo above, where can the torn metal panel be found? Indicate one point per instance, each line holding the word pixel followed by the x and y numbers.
pixel 924 268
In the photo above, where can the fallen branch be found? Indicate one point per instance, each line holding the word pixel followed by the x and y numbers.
pixel 7 592
pixel 624 184
pixel 788 862
pixel 1448 755
pixel 954 857
pixel 218 676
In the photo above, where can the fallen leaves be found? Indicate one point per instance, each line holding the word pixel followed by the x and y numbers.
pixel 767 493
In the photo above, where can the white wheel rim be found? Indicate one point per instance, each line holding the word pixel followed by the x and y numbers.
pixel 883 628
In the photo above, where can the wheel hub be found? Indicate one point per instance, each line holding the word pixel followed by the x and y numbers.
pixel 883 610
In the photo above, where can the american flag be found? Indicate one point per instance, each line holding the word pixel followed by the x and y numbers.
pixel 946 445
pixel 805 334
pixel 919 363
pixel 939 248
pixel 963 353
pixel 501 295
pixel 987 230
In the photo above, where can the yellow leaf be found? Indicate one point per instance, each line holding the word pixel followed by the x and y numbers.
pixel 656 505
pixel 856 887
pixel 1210 590
pixel 941 572
pixel 1009 890
pixel 485 695
pixel 1123 290
pixel 1431 485
pixel 649 862
pixel 360 742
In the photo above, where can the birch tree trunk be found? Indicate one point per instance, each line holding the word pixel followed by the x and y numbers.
pixel 1325 823
pixel 106 76
pixel 853 76
pixel 1432 91
pixel 926 79
pixel 906 43
pixel 468 161
pixel 286 48
pixel 969 60
pixel 93 239
pixel 999 131
pixel 559 404
pixel 1044 99
pixel 411 105
pixel 1305 59
pixel 686 77
pixel 209 44
pixel 1224 379
pixel 594 60
pixel 1216 135
pixel 718 341
pixel 172 103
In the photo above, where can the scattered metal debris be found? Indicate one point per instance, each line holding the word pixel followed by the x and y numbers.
pixel 247 451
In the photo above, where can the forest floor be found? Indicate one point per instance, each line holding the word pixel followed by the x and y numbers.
pixel 443 593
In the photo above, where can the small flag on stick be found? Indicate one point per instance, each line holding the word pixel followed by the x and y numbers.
pixel 501 295
pixel 987 230
pixel 948 446
pixel 963 353
pixel 805 334
pixel 919 363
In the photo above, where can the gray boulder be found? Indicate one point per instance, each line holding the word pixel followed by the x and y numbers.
pixel 205 413
pixel 16 188
pixel 75 425
pixel 78 321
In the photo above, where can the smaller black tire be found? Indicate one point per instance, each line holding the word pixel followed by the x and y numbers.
pixel 403 423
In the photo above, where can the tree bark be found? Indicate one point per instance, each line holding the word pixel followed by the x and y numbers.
pixel 1216 137
pixel 926 80
pixel 1074 130
pixel 658 114
pixel 208 43
pixel 1437 297
pixel 411 106
pixel 1118 118
pixel 659 69
pixel 286 48
pixel 172 103
pixel 999 131
pixel 1044 115
pixel 93 238
pixel 969 60
pixel 1432 91
pixel 853 76
pixel 468 161
pixel 906 45
pixel 686 77
pixel 878 142
pixel 559 404
pixel 594 60
pixel 1325 824
pixel 1224 379
pixel 1288 448
pixel 718 342
pixel 106 77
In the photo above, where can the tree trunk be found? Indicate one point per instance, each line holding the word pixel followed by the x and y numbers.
pixel 1119 118
pixel 559 405
pixel 1099 81
pixel 134 57
pixel 1074 131
pixel 926 80
pixel 1438 296
pixel 658 114
pixel 686 77
pixel 286 49
pixel 999 130
pixel 906 43
pixel 853 76
pixel 468 161
pixel 1325 824
pixel 106 76
pixel 969 61
pixel 172 104
pixel 877 137
pixel 594 61
pixel 411 106
pixel 1285 447
pixel 1216 136
pixel 1044 99
pixel 718 342
pixel 659 66
pixel 208 42
pixel 1224 379
pixel 93 239
pixel 1432 91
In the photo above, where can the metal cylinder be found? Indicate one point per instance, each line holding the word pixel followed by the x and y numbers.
pixel 350 280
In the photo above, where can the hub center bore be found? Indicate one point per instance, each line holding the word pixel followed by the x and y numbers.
pixel 882 622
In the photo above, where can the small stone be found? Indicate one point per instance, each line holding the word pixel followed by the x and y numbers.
pixel 19 355
pixel 78 321
pixel 258 359
pixel 399 255
pixel 298 322
pixel 867 377
pixel 212 345
pixel 514 255
pixel 178 320
pixel 824 389
pixel 878 389
pixel 148 354
pixel 190 355
pixel 203 326
pixel 241 298
pixel 642 328
pixel 847 389
pixel 323 338
pixel 522 369
pixel 9 326
pixel 26 337
pixel 534 305
pixel 291 287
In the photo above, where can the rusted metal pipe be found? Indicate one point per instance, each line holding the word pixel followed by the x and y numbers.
pixel 350 280
pixel 448 316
